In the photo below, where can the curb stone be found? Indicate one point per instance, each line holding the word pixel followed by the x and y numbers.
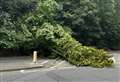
pixel 21 68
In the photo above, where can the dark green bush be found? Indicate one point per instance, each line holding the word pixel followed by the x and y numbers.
pixel 60 42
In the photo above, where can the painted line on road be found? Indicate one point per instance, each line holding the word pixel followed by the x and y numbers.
pixel 44 62
pixel 67 67
pixel 118 63
pixel 49 69
pixel 57 65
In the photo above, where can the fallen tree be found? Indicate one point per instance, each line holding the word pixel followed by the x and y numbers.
pixel 61 43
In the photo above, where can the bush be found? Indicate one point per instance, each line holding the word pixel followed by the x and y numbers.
pixel 61 43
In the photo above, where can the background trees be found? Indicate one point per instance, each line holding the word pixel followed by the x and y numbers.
pixel 94 22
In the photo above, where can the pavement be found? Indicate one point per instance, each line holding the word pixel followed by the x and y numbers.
pixel 54 70
pixel 24 63
pixel 17 63
pixel 59 74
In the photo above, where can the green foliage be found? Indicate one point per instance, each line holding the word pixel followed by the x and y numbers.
pixel 109 23
pixel 45 12
pixel 47 7
pixel 17 8
pixel 18 22
pixel 22 26
pixel 118 10
pixel 13 32
pixel 61 43
pixel 6 31
pixel 94 22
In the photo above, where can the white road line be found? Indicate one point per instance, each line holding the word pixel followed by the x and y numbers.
pixel 57 65
pixel 49 69
pixel 117 62
pixel 44 62
pixel 67 67
pixel 1 77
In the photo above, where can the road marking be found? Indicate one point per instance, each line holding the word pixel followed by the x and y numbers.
pixel 1 77
pixel 44 62
pixel 57 65
pixel 117 62
pixel 67 67
pixel 50 69
pixel 22 71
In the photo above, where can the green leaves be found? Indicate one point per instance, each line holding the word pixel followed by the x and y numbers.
pixel 17 8
pixel 91 21
pixel 29 24
pixel 48 6
pixel 61 43
pixel 18 24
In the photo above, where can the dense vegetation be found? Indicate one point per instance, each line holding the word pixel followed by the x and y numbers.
pixel 61 43
pixel 91 22
pixel 94 22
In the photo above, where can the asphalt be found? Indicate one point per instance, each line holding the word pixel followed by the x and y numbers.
pixel 24 63
pixel 64 72
pixel 17 63
pixel 81 74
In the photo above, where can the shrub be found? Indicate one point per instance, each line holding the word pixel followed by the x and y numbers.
pixel 60 42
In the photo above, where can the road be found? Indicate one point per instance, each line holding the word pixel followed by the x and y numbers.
pixel 65 74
